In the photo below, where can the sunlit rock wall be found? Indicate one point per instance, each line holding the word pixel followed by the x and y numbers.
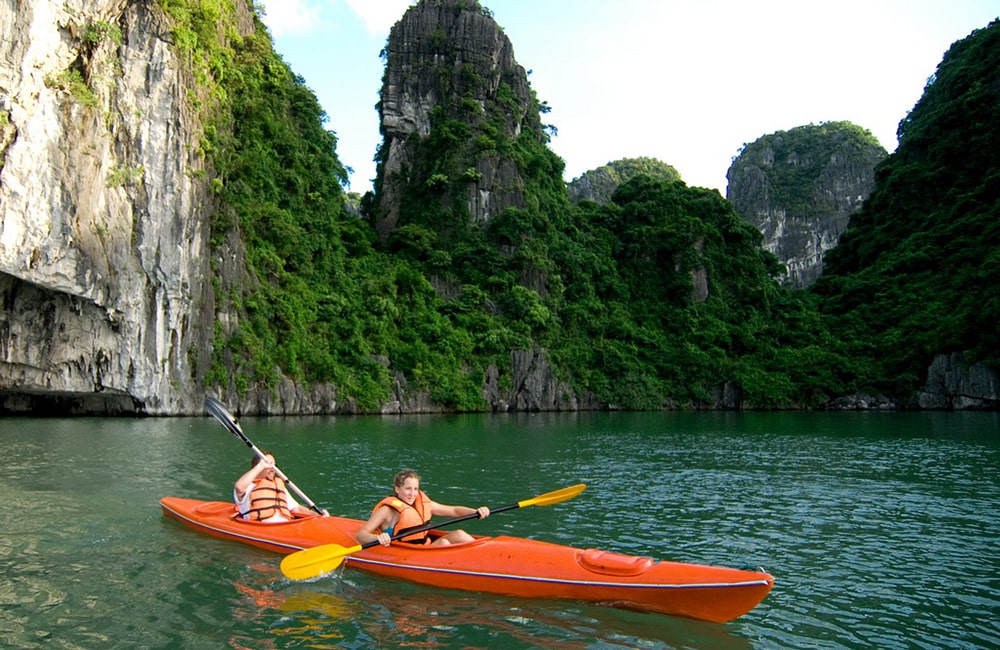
pixel 103 212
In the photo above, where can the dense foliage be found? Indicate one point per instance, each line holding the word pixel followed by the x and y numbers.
pixel 915 274
pixel 305 313
pixel 668 294
pixel 657 298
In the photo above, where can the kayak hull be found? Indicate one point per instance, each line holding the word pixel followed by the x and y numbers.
pixel 505 565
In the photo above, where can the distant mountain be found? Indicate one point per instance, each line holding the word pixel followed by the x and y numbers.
pixel 599 184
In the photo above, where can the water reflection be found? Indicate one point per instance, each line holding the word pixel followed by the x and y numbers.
pixel 350 609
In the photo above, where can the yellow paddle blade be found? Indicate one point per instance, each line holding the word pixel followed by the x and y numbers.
pixel 311 562
pixel 557 496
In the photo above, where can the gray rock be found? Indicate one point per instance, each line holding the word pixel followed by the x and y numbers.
pixel 800 188
pixel 447 54
pixel 955 384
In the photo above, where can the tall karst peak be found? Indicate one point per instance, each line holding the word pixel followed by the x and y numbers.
pixel 454 102
pixel 800 188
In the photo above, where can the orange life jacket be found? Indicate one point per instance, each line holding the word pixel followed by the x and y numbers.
pixel 268 497
pixel 416 515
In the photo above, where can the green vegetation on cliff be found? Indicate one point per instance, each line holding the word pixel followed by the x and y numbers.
pixel 669 295
pixel 916 272
pixel 306 313
pixel 660 297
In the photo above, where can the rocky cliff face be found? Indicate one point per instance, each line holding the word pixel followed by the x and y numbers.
pixel 954 384
pixel 103 225
pixel 448 59
pixel 800 188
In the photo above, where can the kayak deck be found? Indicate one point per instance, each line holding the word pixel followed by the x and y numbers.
pixel 505 565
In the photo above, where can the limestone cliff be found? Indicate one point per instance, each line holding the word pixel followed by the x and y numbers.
pixel 103 218
pixel 448 64
pixel 800 188
pixel 955 384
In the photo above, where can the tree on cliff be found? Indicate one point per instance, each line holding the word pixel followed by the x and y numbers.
pixel 658 297
pixel 472 249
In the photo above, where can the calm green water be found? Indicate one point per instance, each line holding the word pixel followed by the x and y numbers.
pixel 880 528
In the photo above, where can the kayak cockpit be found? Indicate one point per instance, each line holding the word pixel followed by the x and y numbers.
pixel 224 509
pixel 434 534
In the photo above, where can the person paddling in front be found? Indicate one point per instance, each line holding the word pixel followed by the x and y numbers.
pixel 412 507
pixel 261 495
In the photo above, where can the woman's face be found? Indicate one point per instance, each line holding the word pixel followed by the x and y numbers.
pixel 408 491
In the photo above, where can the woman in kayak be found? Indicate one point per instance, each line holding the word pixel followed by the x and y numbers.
pixel 261 495
pixel 412 507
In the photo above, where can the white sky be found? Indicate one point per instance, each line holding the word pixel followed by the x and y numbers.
pixel 686 81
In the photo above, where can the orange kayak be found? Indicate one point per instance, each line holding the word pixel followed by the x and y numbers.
pixel 505 565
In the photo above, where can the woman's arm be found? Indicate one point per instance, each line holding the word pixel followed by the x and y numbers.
pixel 381 520
pixel 441 510
pixel 244 482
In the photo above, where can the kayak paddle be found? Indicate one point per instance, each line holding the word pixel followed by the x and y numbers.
pixel 216 408
pixel 311 562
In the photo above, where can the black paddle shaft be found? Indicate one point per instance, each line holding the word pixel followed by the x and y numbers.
pixel 413 530
pixel 221 414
